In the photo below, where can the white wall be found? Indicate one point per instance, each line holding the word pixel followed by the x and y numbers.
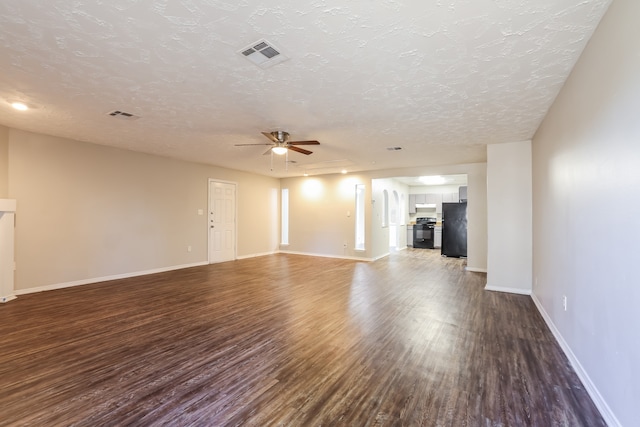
pixel 509 220
pixel 477 232
pixel 87 211
pixel 586 218
pixel 379 234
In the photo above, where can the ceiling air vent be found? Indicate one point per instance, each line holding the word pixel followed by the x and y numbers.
pixel 122 115
pixel 263 53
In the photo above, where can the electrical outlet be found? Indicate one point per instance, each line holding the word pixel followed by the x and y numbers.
pixel 189 248
pixel 564 302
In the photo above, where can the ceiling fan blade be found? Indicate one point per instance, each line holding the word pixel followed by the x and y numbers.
pixel 304 143
pixel 271 136
pixel 244 145
pixel 299 150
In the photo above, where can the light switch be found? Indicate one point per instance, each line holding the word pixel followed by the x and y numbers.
pixel 200 212
pixel 348 214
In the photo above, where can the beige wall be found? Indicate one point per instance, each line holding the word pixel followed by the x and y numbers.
pixel 4 162
pixel 586 214
pixel 88 211
pixel 322 215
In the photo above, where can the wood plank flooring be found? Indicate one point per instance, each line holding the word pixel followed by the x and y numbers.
pixel 409 340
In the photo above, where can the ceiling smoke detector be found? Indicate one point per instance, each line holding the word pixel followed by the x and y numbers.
pixel 263 54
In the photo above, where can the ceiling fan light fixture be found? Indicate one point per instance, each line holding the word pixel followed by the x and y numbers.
pixel 279 150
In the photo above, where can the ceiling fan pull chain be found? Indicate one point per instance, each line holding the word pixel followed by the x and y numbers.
pixel 272 161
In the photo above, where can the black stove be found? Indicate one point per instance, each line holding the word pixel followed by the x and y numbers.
pixel 423 233
pixel 427 220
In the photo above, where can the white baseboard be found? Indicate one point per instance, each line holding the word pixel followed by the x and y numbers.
pixel 7 298
pixel 326 256
pixel 476 270
pixel 507 290
pixel 105 278
pixel 595 395
pixel 257 255
pixel 381 256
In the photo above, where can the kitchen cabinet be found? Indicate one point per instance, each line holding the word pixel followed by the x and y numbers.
pixel 463 193
pixel 412 203
pixel 436 199
pixel 422 199
pixel 410 235
pixel 450 198
pixel 437 236
pixel 447 198
pixel 433 198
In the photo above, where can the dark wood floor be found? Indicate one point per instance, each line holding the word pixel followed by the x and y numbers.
pixel 409 340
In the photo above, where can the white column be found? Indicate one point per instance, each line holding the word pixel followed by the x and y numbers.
pixel 7 222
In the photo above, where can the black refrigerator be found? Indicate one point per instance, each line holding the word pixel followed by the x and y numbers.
pixel 454 229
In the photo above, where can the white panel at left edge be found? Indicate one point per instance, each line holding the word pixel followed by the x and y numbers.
pixel 7 222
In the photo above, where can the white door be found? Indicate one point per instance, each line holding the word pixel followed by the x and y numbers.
pixel 222 221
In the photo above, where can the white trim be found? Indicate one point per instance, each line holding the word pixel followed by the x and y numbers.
pixel 326 256
pixel 591 388
pixel 7 298
pixel 476 270
pixel 381 256
pixel 257 255
pixel 106 278
pixel 508 290
pixel 8 205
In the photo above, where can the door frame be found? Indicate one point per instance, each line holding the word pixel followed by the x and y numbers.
pixel 235 219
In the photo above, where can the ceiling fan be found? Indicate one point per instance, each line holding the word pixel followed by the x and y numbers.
pixel 280 143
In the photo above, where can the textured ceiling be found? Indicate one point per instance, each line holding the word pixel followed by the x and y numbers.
pixel 441 78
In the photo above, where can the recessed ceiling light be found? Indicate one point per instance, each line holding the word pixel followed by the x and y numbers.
pixel 19 106
pixel 344 171
pixel 306 174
